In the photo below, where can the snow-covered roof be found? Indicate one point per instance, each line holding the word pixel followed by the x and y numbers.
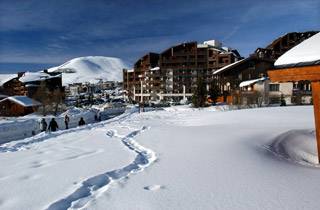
pixel 202 45
pixel 219 49
pixel 130 70
pixel 251 82
pixel 3 96
pixel 35 76
pixel 155 68
pixel 305 53
pixel 23 101
pixel 6 77
pixel 214 43
pixel 229 66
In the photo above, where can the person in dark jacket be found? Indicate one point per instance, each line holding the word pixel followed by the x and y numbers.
pixel 43 125
pixel 82 122
pixel 53 125
pixel 66 121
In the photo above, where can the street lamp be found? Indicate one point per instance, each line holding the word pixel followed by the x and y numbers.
pixel 141 89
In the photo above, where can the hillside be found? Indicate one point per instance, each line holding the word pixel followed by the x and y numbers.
pixel 90 69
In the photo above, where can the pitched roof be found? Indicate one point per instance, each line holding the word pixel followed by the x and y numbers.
pixel 304 54
pixel 155 68
pixel 251 82
pixel 36 76
pixel 23 101
pixel 6 77
pixel 230 66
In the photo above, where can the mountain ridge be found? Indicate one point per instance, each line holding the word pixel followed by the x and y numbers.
pixel 90 69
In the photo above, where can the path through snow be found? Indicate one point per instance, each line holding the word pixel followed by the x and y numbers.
pixel 94 186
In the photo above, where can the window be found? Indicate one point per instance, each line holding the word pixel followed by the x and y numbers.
pixel 274 87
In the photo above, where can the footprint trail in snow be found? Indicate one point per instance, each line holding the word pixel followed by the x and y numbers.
pixel 94 186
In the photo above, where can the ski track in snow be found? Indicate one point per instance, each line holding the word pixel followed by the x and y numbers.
pixel 94 186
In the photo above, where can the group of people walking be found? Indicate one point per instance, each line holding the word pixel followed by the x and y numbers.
pixel 53 125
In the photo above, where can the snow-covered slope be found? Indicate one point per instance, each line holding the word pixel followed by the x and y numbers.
pixel 90 69
pixel 177 158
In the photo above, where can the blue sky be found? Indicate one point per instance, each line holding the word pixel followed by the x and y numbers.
pixel 36 34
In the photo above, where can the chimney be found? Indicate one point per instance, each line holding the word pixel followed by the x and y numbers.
pixel 20 74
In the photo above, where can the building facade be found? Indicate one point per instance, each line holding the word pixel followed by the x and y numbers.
pixel 18 106
pixel 42 86
pixel 172 74
pixel 243 81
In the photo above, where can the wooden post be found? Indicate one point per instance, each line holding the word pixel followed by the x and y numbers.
pixel 316 108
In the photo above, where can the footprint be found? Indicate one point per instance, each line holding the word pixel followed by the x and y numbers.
pixel 30 177
pixel 110 133
pixel 2 202
pixel 37 164
pixel 154 187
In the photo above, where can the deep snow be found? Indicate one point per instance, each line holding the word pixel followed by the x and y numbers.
pixel 298 146
pixel 178 158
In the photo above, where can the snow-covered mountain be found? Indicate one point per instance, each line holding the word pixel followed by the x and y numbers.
pixel 90 69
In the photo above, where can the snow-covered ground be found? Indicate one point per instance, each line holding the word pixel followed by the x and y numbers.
pixel 13 128
pixel 178 158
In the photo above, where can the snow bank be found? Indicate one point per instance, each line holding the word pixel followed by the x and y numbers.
pixel 298 146
pixel 17 129
pixel 13 128
pixel 23 127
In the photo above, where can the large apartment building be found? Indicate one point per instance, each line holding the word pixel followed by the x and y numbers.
pixel 246 80
pixel 173 73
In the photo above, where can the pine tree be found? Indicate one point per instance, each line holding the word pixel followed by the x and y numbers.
pixel 57 99
pixel 199 97
pixel 41 95
pixel 214 92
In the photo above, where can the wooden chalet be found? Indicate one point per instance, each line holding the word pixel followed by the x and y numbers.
pixel 255 67
pixel 11 85
pixel 42 85
pixel 18 106
pixel 302 63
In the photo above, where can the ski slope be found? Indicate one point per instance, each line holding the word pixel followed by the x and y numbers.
pixel 177 158
pixel 90 69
